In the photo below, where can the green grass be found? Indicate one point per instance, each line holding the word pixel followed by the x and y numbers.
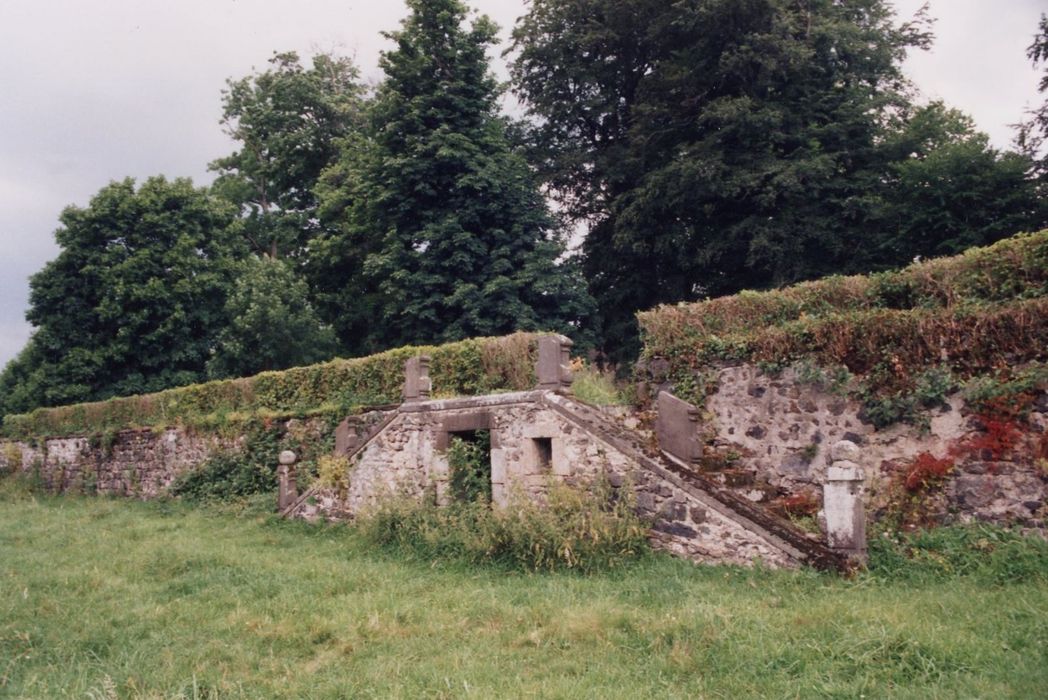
pixel 110 598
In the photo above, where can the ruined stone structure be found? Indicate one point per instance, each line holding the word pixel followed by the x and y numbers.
pixel 701 476
pixel 544 436
pixel 540 437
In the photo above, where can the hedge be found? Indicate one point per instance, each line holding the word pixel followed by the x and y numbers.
pixel 1015 268
pixel 973 313
pixel 468 367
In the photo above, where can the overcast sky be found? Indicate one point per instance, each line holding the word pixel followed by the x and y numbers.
pixel 97 91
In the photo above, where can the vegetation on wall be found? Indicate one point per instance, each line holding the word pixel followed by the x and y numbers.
pixel 906 336
pixel 475 366
pixel 469 468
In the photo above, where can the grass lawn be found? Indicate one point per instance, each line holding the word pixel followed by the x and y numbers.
pixel 110 598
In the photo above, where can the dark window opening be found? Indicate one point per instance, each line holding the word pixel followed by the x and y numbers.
pixel 544 453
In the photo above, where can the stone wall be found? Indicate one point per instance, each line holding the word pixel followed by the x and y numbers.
pixel 540 438
pixel 138 463
pixel 770 436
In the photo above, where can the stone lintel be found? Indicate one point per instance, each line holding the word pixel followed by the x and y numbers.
pixel 465 402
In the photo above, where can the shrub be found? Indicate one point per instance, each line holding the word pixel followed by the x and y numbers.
pixel 581 529
pixel 926 470
pixel 235 473
pixel 333 472
pixel 596 387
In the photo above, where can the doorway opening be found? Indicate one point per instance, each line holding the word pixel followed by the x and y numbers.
pixel 469 464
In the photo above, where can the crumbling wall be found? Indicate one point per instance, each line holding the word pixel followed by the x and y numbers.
pixel 408 457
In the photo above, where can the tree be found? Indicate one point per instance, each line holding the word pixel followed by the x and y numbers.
pixel 710 145
pixel 287 121
pixel 456 236
pixel 1033 132
pixel 946 189
pixel 133 300
pixel 271 323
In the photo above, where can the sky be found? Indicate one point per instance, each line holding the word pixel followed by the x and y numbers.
pixel 98 91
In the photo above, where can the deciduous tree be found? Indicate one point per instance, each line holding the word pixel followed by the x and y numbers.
pixel 287 122
pixel 711 145
pixel 134 299
pixel 271 324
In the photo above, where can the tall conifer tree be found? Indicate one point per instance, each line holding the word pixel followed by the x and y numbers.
pixel 464 243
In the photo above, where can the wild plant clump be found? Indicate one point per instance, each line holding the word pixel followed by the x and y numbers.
pixel 470 468
pixel 579 529
pixel 986 552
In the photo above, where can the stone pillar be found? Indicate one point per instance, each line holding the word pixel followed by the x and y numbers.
pixel 288 489
pixel 417 384
pixel 677 428
pixel 552 369
pixel 842 502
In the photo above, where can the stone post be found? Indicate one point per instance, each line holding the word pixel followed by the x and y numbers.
pixel 417 384
pixel 552 369
pixel 288 490
pixel 842 502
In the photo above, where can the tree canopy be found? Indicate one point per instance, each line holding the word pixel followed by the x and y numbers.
pixel 458 238
pixel 288 122
pixel 716 145
pixel 134 299
pixel 271 324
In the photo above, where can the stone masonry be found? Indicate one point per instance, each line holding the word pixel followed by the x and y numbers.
pixel 771 436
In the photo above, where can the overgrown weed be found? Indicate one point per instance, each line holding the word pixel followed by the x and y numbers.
pixel 580 529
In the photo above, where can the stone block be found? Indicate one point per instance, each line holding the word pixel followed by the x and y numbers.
pixel 346 438
pixel 417 384
pixel 552 369
pixel 677 428
pixel 845 450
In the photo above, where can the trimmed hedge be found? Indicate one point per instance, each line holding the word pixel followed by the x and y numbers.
pixel 468 367
pixel 1015 268
pixel 973 313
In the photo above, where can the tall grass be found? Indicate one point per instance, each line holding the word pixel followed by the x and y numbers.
pixel 106 598
pixel 582 529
